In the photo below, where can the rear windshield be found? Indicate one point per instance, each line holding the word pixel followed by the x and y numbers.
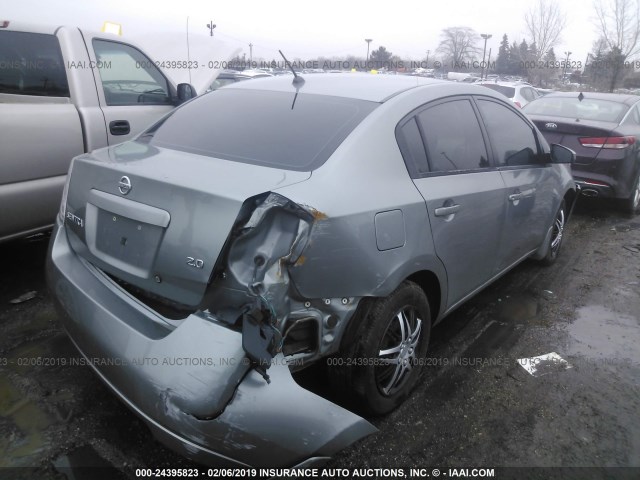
pixel 274 129
pixel 506 91
pixel 572 107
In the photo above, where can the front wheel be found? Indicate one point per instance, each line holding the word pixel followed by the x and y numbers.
pixel 383 363
pixel 557 234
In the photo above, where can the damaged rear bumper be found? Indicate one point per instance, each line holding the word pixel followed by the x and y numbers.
pixel 191 382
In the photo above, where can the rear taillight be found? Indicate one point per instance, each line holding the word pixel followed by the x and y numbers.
pixel 596 183
pixel 607 142
pixel 4 23
pixel 517 104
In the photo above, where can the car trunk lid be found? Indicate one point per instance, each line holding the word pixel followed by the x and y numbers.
pixel 158 219
pixel 568 131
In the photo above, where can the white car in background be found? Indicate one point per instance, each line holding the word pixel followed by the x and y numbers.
pixel 519 93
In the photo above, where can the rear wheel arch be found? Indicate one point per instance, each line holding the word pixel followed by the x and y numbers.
pixel 427 280
pixel 368 344
pixel 430 284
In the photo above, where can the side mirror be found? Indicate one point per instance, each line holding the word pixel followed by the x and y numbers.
pixel 562 154
pixel 185 92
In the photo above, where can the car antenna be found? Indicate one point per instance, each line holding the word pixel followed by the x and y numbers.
pixel 298 81
pixel 296 77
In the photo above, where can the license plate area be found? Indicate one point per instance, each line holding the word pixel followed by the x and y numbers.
pixel 123 233
pixel 127 240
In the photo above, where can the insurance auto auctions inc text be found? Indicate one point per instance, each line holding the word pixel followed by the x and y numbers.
pixel 375 472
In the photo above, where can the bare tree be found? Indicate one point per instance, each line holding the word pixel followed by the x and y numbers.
pixel 619 24
pixel 458 45
pixel 545 22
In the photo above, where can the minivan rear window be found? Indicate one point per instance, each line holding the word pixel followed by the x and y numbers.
pixel 290 131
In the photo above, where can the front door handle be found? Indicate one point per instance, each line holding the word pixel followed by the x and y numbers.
pixel 514 197
pixel 119 127
pixel 446 211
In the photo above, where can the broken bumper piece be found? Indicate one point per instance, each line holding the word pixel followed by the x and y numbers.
pixel 192 384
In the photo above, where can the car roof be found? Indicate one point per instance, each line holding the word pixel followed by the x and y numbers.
pixel 362 86
pixel 612 97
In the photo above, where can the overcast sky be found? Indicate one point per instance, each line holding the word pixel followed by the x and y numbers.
pixel 307 29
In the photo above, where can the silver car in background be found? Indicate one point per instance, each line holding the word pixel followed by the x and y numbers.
pixel 274 223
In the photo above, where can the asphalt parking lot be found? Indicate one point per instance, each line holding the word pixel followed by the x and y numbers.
pixel 476 407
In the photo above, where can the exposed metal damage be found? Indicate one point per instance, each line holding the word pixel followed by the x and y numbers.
pixel 252 288
pixel 259 324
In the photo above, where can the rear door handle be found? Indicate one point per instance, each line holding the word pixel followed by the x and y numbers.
pixel 119 127
pixel 446 211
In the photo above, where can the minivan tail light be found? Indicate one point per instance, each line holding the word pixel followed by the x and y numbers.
pixel 607 142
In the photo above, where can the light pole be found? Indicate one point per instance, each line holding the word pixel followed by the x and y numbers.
pixel 564 70
pixel 368 40
pixel 211 26
pixel 428 52
pixel 251 54
pixel 486 37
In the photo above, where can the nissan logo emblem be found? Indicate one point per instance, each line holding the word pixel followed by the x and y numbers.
pixel 124 185
pixel 550 125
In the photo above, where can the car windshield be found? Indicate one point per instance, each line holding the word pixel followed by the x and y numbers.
pixel 572 107
pixel 276 129
pixel 509 92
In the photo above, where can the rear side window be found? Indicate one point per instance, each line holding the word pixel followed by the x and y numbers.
pixel 31 64
pixel 513 140
pixel 412 148
pixel 508 92
pixel 453 137
pixel 527 93
pixel 128 76
pixel 275 129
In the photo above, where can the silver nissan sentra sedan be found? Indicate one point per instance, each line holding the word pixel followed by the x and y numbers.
pixel 274 223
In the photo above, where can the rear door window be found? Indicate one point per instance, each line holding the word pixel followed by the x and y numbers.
pixel 31 64
pixel 512 138
pixel 453 137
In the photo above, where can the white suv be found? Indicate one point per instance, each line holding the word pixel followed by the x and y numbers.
pixel 520 93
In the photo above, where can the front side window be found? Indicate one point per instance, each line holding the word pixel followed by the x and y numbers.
pixel 453 137
pixel 512 138
pixel 31 64
pixel 128 77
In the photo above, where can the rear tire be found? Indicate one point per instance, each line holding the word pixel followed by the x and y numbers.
pixel 557 235
pixel 382 364
pixel 632 204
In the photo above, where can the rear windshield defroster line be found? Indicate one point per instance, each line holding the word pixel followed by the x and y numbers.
pixel 262 127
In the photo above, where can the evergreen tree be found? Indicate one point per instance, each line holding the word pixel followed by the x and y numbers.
pixel 502 62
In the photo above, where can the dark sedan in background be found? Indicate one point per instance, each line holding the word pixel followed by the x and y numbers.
pixel 604 130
